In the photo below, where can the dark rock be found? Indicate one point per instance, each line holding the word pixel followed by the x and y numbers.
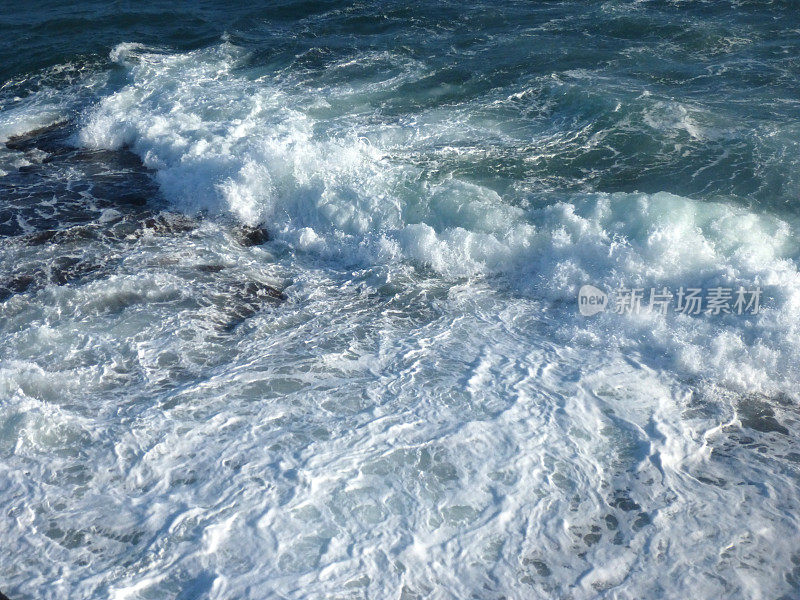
pixel 66 269
pixel 132 198
pixel 592 538
pixel 258 290
pixel 641 521
pixel 168 223
pixel 541 568
pixel 624 502
pixel 758 415
pixel 210 268
pixel 61 271
pixel 244 301
pixel 40 237
pixel 251 236
pixel 15 285
pixel 49 139
pixel 56 236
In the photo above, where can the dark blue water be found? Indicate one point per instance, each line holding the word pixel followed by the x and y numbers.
pixel 733 62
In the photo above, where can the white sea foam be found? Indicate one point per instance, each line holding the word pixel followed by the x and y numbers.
pixel 222 142
pixel 427 416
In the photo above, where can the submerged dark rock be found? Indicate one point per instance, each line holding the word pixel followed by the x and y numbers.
pixel 757 414
pixel 132 198
pixel 66 269
pixel 61 271
pixel 59 236
pixel 247 235
pixel 210 268
pixel 50 138
pixel 15 285
pixel 70 186
pixel 86 251
pixel 113 229
pixel 84 208
pixel 245 300
pixel 258 290
pixel 166 223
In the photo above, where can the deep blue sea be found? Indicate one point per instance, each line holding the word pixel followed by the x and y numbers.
pixel 289 300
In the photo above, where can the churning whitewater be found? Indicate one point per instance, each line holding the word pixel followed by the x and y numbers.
pixel 293 313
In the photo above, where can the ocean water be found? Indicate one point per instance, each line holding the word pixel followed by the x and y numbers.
pixel 395 395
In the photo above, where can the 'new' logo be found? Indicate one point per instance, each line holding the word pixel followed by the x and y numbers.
pixel 591 300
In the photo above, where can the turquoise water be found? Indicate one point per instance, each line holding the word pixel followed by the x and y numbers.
pixel 290 300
